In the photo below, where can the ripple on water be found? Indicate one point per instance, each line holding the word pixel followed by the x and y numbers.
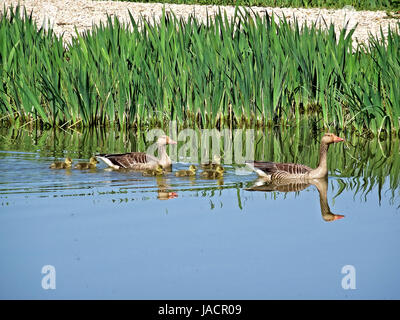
pixel 33 177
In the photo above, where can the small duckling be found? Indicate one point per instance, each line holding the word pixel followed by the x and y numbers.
pixel 62 165
pixel 187 173
pixel 158 171
pixel 212 165
pixel 213 174
pixel 87 165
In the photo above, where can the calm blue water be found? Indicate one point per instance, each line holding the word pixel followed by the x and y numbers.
pixel 109 235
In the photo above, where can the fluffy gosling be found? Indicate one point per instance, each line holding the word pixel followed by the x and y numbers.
pixel 187 173
pixel 62 165
pixel 87 165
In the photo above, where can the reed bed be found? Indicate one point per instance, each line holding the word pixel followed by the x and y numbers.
pixel 240 72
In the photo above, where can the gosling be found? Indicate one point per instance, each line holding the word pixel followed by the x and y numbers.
pixel 187 173
pixel 87 165
pixel 62 165
pixel 213 174
pixel 212 165
pixel 158 171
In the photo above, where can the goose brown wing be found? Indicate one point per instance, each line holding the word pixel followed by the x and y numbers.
pixel 129 160
pixel 271 168
pixel 292 168
pixel 268 167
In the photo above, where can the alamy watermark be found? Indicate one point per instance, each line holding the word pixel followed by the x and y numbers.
pixel 349 280
pixel 49 278
pixel 202 146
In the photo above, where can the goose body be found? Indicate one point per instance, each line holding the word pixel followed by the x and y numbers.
pixel 62 165
pixel 272 171
pixel 187 173
pixel 87 165
pixel 140 160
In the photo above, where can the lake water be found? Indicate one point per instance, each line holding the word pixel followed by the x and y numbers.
pixel 119 235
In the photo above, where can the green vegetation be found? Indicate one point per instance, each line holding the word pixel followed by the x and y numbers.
pixel 226 72
pixel 357 4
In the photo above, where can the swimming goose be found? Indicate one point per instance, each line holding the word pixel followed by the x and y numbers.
pixel 87 165
pixel 140 160
pixel 62 165
pixel 187 173
pixel 287 171
pixel 213 174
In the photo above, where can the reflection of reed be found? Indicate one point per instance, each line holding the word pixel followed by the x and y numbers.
pixel 295 186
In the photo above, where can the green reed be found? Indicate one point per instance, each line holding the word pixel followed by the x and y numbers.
pixel 241 71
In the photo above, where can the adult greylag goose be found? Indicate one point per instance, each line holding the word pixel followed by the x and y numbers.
pixel 271 171
pixel 296 186
pixel 140 160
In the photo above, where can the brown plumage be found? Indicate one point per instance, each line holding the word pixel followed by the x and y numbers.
pixel 286 171
pixel 140 160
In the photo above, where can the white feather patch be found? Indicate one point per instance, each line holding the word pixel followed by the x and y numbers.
pixel 108 162
pixel 258 171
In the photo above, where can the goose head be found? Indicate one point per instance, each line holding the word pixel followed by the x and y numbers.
pixel 192 168
pixel 329 138
pixel 68 160
pixel 164 140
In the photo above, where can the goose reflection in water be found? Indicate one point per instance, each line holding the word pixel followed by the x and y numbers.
pixel 296 186
pixel 164 188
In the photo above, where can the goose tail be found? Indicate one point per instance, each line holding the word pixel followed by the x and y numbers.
pixel 251 165
pixel 103 157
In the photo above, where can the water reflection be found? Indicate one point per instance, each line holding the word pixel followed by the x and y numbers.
pixel 164 189
pixel 295 186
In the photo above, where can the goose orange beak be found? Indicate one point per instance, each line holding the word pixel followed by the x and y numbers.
pixel 338 217
pixel 170 141
pixel 337 139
